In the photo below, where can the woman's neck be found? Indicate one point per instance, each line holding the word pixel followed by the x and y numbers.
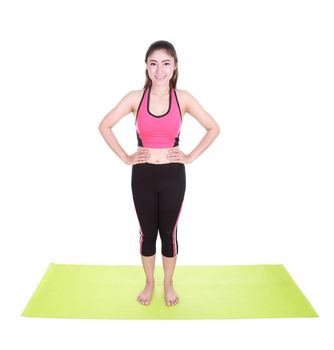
pixel 160 90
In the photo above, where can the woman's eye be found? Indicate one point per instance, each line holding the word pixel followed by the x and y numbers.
pixel 154 63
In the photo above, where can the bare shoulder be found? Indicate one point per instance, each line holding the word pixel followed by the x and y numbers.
pixel 195 109
pixel 181 97
pixel 124 107
pixel 138 93
pixel 132 99
pixel 129 100
pixel 136 97
pixel 188 100
pixel 180 93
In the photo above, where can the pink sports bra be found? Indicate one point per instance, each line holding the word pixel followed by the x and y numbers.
pixel 158 131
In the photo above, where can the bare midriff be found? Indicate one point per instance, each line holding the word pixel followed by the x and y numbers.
pixel 158 155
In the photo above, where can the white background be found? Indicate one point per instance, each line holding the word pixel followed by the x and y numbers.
pixel 262 193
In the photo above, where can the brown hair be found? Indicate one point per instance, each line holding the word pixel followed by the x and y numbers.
pixel 169 48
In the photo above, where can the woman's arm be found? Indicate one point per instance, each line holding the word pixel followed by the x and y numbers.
pixel 204 118
pixel 124 107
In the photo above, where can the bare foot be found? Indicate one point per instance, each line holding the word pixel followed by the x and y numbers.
pixel 170 296
pixel 144 297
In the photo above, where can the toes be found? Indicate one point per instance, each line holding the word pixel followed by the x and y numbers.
pixel 143 300
pixel 171 302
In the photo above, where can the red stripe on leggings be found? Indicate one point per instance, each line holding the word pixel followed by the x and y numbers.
pixel 141 240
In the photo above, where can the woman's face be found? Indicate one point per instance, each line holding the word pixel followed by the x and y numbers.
pixel 160 67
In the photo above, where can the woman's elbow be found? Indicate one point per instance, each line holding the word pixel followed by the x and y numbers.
pixel 102 127
pixel 216 128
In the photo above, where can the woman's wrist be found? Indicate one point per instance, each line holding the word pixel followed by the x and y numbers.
pixel 191 157
pixel 126 159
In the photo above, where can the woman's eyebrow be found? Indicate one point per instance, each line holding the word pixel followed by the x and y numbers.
pixel 157 61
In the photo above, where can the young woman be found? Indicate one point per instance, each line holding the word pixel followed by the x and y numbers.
pixel 158 179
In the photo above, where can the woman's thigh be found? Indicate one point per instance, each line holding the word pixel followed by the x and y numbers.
pixel 171 197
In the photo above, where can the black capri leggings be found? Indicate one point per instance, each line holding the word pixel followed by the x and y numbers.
pixel 158 191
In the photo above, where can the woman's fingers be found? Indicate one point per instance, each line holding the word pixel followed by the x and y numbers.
pixel 174 154
pixel 142 155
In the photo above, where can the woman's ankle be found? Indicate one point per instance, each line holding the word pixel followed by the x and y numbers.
pixel 150 281
pixel 168 282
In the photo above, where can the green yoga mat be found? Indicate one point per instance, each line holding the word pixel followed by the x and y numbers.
pixel 205 292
